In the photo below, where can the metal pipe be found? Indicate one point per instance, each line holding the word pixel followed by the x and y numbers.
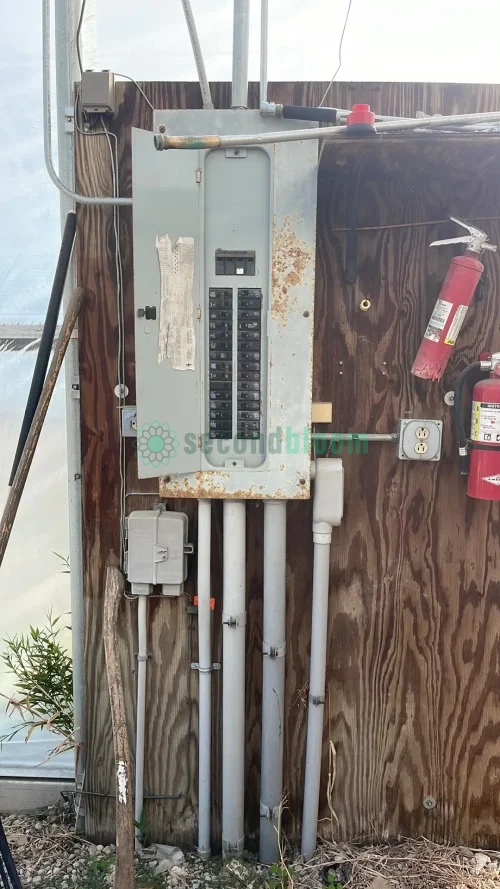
pixel 264 43
pixel 198 55
pixel 205 678
pixel 163 140
pixel 273 680
pixel 47 338
pixel 322 535
pixel 142 659
pixel 233 678
pixel 355 436
pixel 47 123
pixel 66 17
pixel 241 33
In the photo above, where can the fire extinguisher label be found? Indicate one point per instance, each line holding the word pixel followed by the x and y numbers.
pixel 492 479
pixel 456 324
pixel 485 422
pixel 438 320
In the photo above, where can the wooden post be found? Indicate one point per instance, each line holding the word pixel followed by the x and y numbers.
pixel 16 491
pixel 124 876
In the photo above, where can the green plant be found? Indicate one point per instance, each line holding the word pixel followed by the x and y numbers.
pixel 65 562
pixel 44 683
pixel 144 838
pixel 280 876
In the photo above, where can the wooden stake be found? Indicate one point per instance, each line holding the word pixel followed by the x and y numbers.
pixel 16 491
pixel 124 875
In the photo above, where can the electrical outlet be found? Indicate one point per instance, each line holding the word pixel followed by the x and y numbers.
pixel 420 439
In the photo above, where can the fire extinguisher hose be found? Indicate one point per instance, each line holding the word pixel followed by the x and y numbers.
pixel 463 456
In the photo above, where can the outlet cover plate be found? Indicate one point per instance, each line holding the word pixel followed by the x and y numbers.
pixel 431 434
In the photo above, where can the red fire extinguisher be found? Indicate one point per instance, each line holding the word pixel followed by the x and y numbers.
pixel 480 455
pixel 454 300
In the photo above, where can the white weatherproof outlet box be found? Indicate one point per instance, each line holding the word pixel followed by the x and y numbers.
pixel 420 440
pixel 224 265
pixel 156 551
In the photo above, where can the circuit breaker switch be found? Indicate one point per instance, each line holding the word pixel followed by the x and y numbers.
pixel 157 549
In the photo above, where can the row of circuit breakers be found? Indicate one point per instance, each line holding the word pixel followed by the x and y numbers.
pixel 248 357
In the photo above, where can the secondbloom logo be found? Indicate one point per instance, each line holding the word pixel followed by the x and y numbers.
pixel 156 444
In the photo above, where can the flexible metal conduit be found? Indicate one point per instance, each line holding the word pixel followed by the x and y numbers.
pixel 47 125
pixel 198 55
pixel 163 140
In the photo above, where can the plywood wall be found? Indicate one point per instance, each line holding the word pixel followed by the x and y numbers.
pixel 413 693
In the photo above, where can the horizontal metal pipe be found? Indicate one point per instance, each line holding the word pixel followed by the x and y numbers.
pixel 355 436
pixel 163 140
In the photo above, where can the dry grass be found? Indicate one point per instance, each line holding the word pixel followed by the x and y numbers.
pixel 412 864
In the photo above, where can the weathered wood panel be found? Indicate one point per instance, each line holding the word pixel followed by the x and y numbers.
pixel 413 704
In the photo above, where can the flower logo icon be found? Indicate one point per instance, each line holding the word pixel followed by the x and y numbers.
pixel 157 443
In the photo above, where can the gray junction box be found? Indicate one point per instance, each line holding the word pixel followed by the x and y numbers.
pixel 224 261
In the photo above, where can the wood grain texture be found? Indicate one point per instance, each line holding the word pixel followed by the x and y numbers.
pixel 413 705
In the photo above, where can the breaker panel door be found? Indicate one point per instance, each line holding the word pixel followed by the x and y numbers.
pixel 168 342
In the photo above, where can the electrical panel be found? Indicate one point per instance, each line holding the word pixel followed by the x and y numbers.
pixel 224 261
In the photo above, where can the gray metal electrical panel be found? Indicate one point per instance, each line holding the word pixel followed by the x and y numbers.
pixel 224 260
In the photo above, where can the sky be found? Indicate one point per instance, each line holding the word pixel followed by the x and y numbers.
pixel 384 40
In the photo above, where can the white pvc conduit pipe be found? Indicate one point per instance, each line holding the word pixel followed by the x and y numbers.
pixel 198 55
pixel 233 678
pixel 241 32
pixel 322 535
pixel 142 659
pixel 205 677
pixel 273 679
pixel 163 140
pixel 47 123
pixel 264 41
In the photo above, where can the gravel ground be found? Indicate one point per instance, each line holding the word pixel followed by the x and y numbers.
pixel 49 855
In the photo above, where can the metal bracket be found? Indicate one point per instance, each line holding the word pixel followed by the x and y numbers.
pixel 69 119
pixel 129 422
pixel 195 666
pixel 234 620
pixel 270 814
pixel 317 699
pixel 273 651
pixel 142 658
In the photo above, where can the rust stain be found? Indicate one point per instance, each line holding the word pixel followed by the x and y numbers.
pixel 291 258
pixel 202 486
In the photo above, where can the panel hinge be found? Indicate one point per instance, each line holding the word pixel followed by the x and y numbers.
pixel 198 176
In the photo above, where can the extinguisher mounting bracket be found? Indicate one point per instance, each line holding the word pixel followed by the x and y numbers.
pixel 476 240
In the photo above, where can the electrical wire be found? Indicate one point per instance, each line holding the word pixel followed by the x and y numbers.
pixel 121 328
pixel 340 53
pixel 143 94
pixel 380 228
pixel 78 36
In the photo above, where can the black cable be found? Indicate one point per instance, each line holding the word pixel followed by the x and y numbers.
pixel 47 338
pixel 301 112
pixel 459 418
pixel 7 861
